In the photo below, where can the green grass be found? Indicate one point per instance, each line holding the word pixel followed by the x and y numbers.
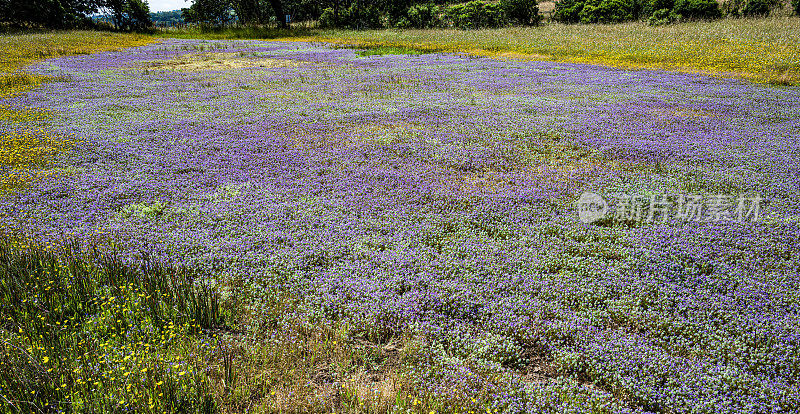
pixel 388 50
pixel 82 331
pixel 245 32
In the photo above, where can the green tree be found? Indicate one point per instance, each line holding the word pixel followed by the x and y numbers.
pixel 476 15
pixel 303 10
pixel 248 11
pixel 129 14
pixel 214 12
pixel 757 8
pixel 698 9
pixel 608 11
pixel 280 17
pixel 523 12
pixel 422 16
pixel 57 14
pixel 568 11
pixel 651 6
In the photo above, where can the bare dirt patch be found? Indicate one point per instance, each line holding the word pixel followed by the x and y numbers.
pixel 222 62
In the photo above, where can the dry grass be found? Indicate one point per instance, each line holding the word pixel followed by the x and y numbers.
pixel 276 363
pixel 221 62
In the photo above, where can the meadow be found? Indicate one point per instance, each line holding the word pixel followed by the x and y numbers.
pixel 298 226
pixel 757 49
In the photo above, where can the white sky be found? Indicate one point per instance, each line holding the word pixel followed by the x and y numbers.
pixel 167 5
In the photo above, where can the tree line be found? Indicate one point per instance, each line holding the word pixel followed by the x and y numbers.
pixel 659 12
pixel 366 14
pixel 474 14
pixel 70 14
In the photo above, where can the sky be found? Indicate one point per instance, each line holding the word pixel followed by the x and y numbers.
pixel 167 5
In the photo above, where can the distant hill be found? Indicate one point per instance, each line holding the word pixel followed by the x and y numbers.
pixel 167 17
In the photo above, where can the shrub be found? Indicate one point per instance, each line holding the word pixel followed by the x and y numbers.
pixel 663 16
pixel 424 16
pixel 523 12
pixel 751 8
pixel 568 11
pixel 756 8
pixel 698 9
pixel 352 18
pixel 796 7
pixel 328 18
pixel 420 17
pixel 607 11
pixel 364 18
pixel 476 15
pixel 733 7
pixel 651 6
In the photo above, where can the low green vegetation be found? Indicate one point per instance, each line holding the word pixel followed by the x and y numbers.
pixel 384 50
pixel 239 32
pixel 656 11
pixel 81 331
pixel 476 15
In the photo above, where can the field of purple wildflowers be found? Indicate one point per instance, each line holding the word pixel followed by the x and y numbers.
pixel 433 197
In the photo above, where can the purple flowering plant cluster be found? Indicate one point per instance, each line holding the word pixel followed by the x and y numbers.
pixel 435 195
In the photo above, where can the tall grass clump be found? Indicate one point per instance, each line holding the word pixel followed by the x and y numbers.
pixel 232 33
pixel 81 331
